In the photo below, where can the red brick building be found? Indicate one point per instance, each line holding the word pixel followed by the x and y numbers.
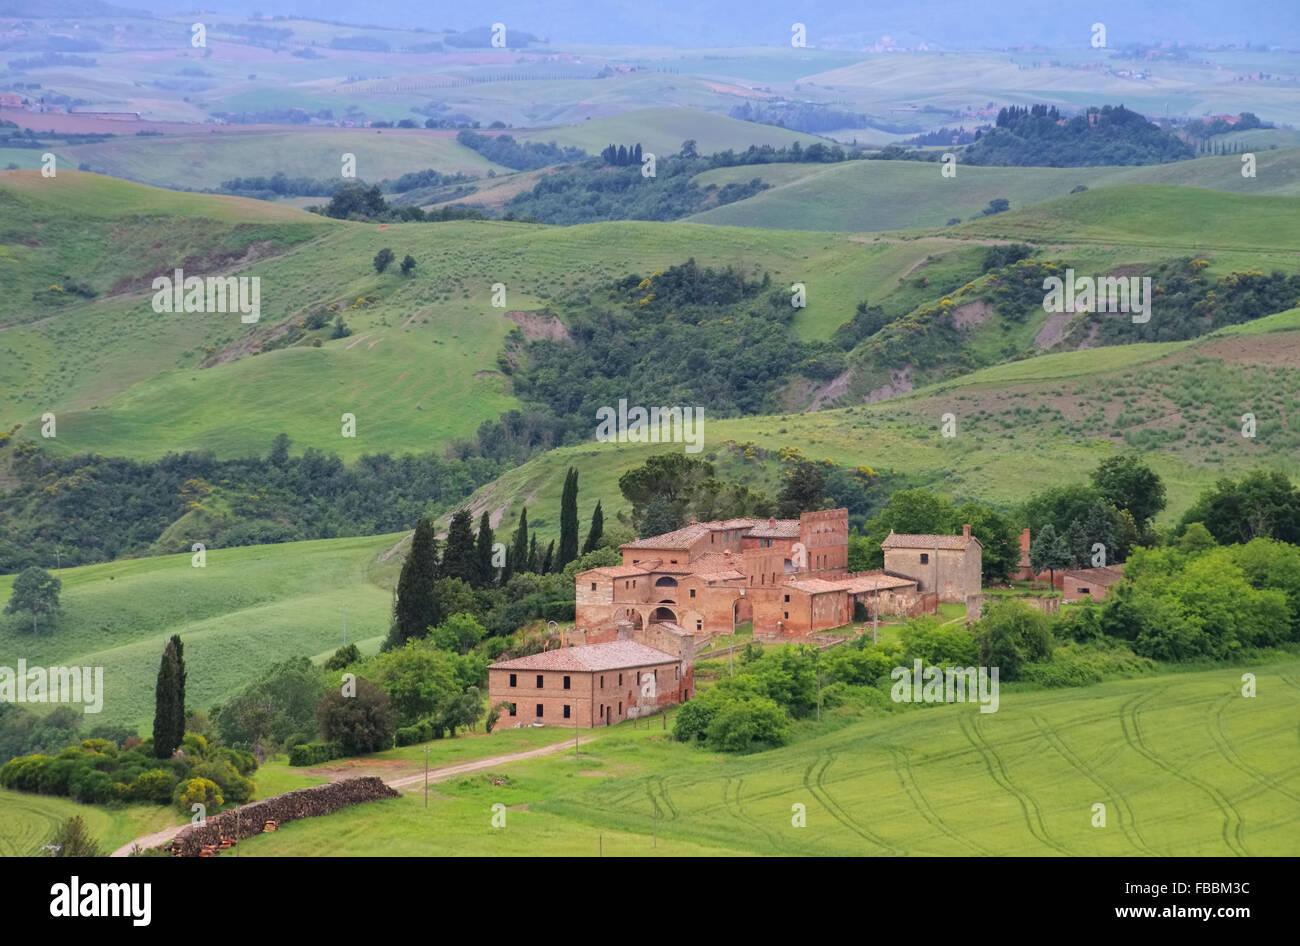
pixel 589 685
pixel 1080 583
pixel 788 576
pixel 947 565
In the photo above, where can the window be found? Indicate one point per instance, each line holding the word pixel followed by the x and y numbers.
pixel 692 592
pixel 677 671
pixel 539 709
pixel 925 558
pixel 566 710
pixel 672 561
pixel 620 707
pixel 620 683
pixel 539 681
pixel 1085 591
pixel 787 615
pixel 787 599
pixel 699 625
pixel 512 709
pixel 593 586
pixel 566 685
pixel 512 679
pixel 602 681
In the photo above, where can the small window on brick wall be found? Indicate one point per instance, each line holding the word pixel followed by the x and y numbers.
pixel 925 558
pixel 539 709
pixel 512 709
pixel 539 681
pixel 566 686
pixel 566 710
pixel 512 679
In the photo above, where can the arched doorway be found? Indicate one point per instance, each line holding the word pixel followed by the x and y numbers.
pixel 742 612
pixel 661 614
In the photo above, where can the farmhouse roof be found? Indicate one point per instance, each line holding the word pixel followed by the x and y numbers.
pixel 1098 576
pixel 897 540
pixel 678 539
pixel 776 529
pixel 612 656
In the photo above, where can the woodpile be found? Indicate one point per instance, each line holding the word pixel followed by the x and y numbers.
pixel 267 815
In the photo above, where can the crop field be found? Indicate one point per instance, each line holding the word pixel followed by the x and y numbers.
pixel 1183 763
pixel 29 821
pixel 248 608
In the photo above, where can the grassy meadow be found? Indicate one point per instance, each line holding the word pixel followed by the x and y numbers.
pixel 1183 763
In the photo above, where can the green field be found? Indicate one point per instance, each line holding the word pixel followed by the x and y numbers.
pixel 661 131
pixel 248 608
pixel 29 821
pixel 1184 765
pixel 893 195
pixel 205 160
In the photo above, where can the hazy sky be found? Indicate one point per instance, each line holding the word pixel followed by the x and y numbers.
pixel 952 23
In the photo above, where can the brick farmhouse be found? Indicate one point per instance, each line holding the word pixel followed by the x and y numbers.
pixel 946 565
pixel 788 576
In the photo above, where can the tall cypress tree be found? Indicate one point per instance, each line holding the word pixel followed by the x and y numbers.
pixel 483 552
pixel 568 520
pixel 458 558
pixel 169 700
pixel 548 560
pixel 519 560
pixel 534 563
pixel 416 606
pixel 596 531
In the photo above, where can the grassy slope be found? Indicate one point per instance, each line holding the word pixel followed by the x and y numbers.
pixel 205 160
pixel 248 608
pixel 1022 426
pixel 662 131
pixel 1183 764
pixel 889 195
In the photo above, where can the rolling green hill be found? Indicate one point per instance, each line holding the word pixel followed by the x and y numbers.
pixel 662 131
pixel 247 608
pixel 198 161
pixel 891 195
pixel 1183 765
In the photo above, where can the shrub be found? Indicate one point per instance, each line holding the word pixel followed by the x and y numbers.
pixel 746 725
pixel 155 785
pixel 693 720
pixel 198 791
pixel 314 753
pixel 343 657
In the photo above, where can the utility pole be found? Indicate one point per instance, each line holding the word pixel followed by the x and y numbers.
pixel 345 626
pixel 819 688
pixel 656 823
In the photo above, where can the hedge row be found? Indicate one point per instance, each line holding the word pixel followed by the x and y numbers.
pixel 314 753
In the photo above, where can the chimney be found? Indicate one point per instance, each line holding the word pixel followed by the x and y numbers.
pixel 771 522
pixel 965 531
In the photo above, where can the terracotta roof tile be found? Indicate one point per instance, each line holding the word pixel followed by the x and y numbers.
pixel 612 656
pixel 897 540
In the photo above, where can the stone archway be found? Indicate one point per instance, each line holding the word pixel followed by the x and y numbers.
pixel 662 613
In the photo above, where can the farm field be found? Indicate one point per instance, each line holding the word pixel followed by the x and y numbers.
pixel 29 821
pixel 1184 765
pixel 662 130
pixel 249 607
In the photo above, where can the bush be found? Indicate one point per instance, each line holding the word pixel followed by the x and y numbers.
pixel 198 791
pixel 155 785
pixel 314 753
pixel 748 725
pixel 413 735
pixel 693 720
pixel 343 657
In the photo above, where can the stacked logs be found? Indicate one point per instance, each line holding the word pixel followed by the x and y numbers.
pixel 251 819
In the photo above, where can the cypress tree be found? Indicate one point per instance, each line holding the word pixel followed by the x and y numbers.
pixel 568 520
pixel 483 551
pixel 548 559
pixel 169 700
pixel 458 558
pixel 519 558
pixel 416 607
pixel 596 531
pixel 534 563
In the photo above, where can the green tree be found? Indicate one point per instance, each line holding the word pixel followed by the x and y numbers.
pixel 416 607
pixel 360 723
pixel 169 700
pixel 1126 482
pixel 36 591
pixel 72 839
pixel 408 264
pixel 484 573
pixel 747 725
pixel 458 633
pixel 658 518
pixel 1048 551
pixel 419 679
pixel 804 490
pixel 548 559
pixel 382 259
pixel 1012 634
pixel 999 540
pixel 1196 538
pixel 518 559
pixel 568 520
pixel 596 531
pixel 672 478
pixel 279 705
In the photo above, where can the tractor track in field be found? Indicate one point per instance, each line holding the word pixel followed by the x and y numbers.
pixel 1130 722
pixel 816 784
pixel 1224 745
pixel 662 801
pixel 907 778
pixel 738 811
pixel 1127 820
pixel 998 770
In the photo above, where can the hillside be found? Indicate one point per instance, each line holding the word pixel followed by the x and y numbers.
pixel 895 195
pixel 248 606
pixel 662 130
